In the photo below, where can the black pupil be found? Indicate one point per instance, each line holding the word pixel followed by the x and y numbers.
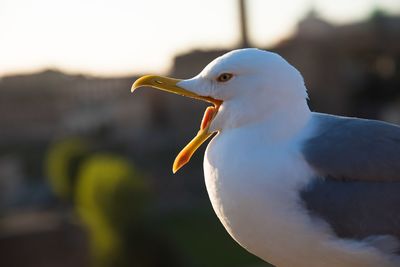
pixel 224 77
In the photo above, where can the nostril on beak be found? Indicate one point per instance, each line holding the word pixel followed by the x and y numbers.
pixel 159 82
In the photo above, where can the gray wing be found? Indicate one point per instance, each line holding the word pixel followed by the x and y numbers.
pixel 355 209
pixel 357 186
pixel 354 149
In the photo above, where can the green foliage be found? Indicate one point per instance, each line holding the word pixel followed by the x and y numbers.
pixel 111 199
pixel 378 13
pixel 203 239
pixel 61 165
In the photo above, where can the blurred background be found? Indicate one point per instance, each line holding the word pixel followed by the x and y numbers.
pixel 85 167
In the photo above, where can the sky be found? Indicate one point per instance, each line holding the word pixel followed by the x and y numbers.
pixel 122 37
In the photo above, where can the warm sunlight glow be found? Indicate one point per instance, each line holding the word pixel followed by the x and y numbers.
pixel 121 37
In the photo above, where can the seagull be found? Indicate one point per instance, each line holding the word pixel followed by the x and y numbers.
pixel 293 187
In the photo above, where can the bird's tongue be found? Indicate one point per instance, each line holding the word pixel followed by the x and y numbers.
pixel 203 134
pixel 207 117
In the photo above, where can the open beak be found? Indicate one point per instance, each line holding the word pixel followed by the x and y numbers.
pixel 170 85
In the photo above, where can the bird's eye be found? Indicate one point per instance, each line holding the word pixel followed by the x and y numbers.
pixel 224 77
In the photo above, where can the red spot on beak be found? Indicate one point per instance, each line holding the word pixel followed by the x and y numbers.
pixel 207 117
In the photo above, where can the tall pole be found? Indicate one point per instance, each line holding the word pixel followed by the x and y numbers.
pixel 243 24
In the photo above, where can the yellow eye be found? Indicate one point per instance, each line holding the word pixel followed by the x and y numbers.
pixel 224 77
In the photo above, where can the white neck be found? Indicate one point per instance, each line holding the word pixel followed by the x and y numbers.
pixel 283 124
pixel 277 121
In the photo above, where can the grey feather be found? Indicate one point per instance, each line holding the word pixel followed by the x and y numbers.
pixel 356 209
pixel 355 149
pixel 357 188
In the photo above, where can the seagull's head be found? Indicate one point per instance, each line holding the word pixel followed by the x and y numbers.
pixel 244 86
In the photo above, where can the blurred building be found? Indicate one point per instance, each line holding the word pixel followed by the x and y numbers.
pixel 350 69
pixel 36 107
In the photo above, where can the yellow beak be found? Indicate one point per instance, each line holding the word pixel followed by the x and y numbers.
pixel 170 85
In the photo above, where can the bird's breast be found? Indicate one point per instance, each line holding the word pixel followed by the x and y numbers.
pixel 253 186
